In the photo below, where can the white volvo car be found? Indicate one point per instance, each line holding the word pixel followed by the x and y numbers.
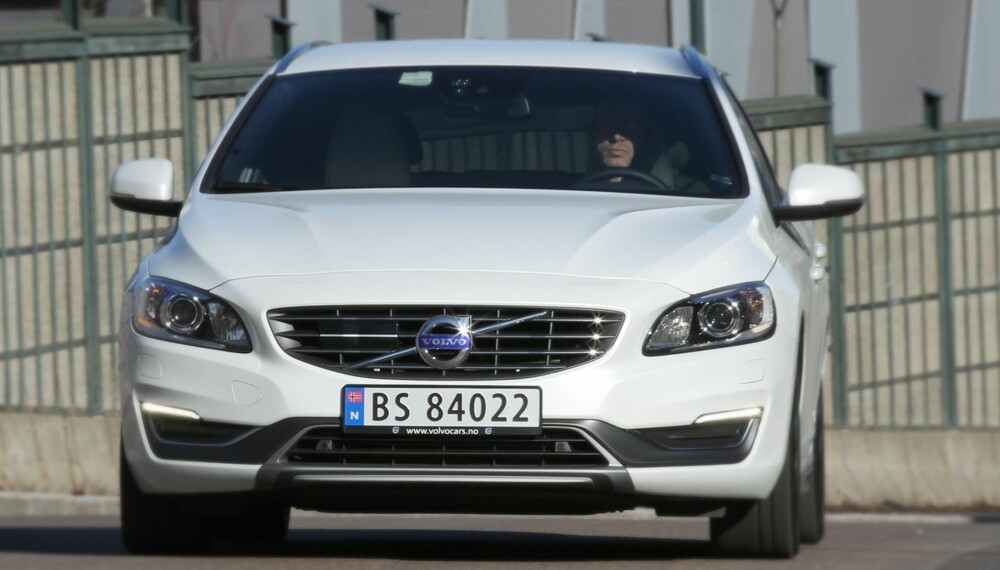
pixel 479 277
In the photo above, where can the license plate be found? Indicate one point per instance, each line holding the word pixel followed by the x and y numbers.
pixel 442 410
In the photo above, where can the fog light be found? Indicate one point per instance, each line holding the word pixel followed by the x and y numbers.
pixel 563 447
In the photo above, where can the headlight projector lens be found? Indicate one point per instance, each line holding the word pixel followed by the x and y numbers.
pixel 721 318
pixel 182 314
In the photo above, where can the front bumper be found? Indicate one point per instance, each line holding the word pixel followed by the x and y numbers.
pixel 611 400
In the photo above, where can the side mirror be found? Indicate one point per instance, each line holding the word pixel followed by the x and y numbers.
pixel 145 186
pixel 817 191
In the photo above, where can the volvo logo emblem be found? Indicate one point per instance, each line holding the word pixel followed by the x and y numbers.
pixel 444 341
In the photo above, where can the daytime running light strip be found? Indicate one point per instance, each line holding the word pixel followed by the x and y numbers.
pixel 744 414
pixel 151 408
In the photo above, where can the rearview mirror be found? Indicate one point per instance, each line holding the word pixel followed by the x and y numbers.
pixel 145 186
pixel 817 191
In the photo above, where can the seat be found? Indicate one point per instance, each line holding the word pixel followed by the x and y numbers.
pixel 370 149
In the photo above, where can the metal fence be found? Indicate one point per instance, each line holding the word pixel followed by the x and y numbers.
pixel 920 339
pixel 915 276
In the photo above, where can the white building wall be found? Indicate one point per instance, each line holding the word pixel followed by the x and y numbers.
pixel 833 38
pixel 728 35
pixel 486 19
pixel 680 22
pixel 588 18
pixel 315 20
pixel 982 78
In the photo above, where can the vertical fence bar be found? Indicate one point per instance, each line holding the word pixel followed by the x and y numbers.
pixel 966 290
pixel 946 290
pixel 889 294
pixel 838 336
pixel 995 184
pixel 4 300
pixel 838 305
pixel 907 331
pixel 50 203
pixel 873 342
pixel 981 313
pixel 14 183
pixel 67 223
pixel 88 205
pixel 187 126
pixel 924 326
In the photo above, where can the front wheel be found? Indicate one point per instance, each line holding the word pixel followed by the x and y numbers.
pixel 813 506
pixel 155 524
pixel 768 527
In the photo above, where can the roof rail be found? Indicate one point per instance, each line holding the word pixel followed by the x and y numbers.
pixel 294 53
pixel 698 63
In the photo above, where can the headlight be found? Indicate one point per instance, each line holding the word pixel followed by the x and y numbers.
pixel 175 312
pixel 744 313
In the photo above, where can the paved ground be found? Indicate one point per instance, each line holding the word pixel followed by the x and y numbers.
pixel 630 541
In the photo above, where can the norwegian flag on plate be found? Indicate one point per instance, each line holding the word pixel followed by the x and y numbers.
pixel 354 396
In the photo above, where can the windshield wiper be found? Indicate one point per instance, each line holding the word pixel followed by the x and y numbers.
pixel 235 187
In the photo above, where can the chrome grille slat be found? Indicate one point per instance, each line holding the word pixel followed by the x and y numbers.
pixel 335 351
pixel 540 336
pixel 379 341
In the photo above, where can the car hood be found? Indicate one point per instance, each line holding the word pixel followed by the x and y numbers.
pixel 690 244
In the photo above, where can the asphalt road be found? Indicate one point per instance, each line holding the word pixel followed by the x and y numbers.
pixel 629 541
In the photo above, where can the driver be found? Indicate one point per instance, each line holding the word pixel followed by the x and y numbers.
pixel 618 127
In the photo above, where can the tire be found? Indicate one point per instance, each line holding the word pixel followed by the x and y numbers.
pixel 812 514
pixel 262 523
pixel 154 524
pixel 768 527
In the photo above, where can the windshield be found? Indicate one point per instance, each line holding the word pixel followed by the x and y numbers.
pixel 482 127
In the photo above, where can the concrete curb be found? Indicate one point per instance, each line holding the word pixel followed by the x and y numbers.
pixel 52 504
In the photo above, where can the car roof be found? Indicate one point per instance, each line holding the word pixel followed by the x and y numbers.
pixel 519 53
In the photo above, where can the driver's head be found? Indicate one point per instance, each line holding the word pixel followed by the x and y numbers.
pixel 619 125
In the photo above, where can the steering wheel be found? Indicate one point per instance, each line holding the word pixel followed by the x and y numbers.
pixel 618 172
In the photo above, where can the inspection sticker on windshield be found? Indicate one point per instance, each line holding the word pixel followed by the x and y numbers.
pixel 416 78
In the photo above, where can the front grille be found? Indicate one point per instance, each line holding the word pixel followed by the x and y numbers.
pixel 378 342
pixel 556 447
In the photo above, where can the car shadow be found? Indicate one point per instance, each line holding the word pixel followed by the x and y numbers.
pixel 446 545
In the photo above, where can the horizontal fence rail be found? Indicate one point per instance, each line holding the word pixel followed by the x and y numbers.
pixel 915 276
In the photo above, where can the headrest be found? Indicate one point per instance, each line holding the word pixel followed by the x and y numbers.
pixel 679 155
pixel 371 148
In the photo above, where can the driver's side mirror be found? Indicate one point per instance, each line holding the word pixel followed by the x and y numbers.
pixel 817 191
pixel 145 186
